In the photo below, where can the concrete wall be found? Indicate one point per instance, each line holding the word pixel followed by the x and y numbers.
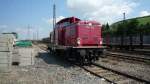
pixel 9 55
pixel 27 56
pixel 6 47
pixel 5 61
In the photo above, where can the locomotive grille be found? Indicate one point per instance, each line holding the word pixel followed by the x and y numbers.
pixel 95 38
pixel 84 38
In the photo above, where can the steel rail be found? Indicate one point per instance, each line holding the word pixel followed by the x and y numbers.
pixel 129 57
pixel 123 74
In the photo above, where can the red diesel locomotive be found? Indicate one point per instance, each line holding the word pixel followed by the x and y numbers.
pixel 79 40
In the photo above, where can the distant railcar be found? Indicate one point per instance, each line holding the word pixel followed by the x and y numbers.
pixel 79 40
pixel 128 42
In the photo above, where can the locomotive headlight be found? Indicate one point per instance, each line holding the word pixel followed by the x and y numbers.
pixel 90 24
pixel 101 42
pixel 78 41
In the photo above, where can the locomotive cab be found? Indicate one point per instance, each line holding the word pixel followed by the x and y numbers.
pixel 89 33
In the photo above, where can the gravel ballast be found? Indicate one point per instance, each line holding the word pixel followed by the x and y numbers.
pixel 48 70
pixel 136 69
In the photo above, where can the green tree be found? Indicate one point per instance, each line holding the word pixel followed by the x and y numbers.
pixel 105 29
pixel 132 27
pixel 147 29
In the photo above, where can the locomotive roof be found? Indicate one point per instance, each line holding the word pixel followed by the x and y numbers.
pixel 68 19
pixel 87 22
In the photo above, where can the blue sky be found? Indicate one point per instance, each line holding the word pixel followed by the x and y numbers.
pixel 18 15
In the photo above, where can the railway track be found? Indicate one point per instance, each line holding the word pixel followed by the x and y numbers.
pixel 112 76
pixel 137 58
pixel 41 46
pixel 109 75
pixel 135 51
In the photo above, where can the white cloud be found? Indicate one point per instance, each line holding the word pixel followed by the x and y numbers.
pixel 144 13
pixel 101 10
pixel 50 21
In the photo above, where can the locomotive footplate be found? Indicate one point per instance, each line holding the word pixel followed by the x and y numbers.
pixel 90 47
pixel 82 55
pixel 88 54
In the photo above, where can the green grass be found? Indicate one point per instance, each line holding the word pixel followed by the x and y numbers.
pixel 142 20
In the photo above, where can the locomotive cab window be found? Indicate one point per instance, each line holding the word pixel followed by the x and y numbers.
pixel 72 30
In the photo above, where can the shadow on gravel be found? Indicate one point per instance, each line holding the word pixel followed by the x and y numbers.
pixel 53 60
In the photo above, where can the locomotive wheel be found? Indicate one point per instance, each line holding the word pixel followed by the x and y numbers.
pixel 53 53
pixel 80 59
pixel 67 54
pixel 89 57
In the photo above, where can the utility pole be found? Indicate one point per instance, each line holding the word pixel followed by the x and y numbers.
pixel 123 30
pixel 28 33
pixel 33 36
pixel 54 15
pixel 54 20
pixel 37 34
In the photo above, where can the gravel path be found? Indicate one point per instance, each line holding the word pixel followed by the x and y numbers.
pixel 132 68
pixel 48 70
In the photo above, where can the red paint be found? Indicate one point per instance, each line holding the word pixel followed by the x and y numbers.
pixel 70 31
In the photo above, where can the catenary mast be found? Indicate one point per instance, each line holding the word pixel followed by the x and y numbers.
pixel 54 20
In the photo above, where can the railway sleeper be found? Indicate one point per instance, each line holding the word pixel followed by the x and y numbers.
pixel 115 77
pixel 128 81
